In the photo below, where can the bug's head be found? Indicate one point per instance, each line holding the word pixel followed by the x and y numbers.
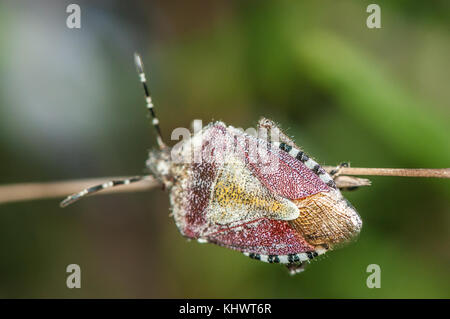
pixel 160 165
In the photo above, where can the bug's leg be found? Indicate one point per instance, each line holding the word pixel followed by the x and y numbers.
pixel 274 131
pixel 296 268
pixel 347 183
pixel 73 198
pixel 336 172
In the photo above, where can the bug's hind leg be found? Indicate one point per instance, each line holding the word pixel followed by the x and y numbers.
pixel 296 268
pixel 336 172
pixel 347 183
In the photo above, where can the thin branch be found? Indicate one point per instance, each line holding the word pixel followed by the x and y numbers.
pixel 31 191
pixel 403 172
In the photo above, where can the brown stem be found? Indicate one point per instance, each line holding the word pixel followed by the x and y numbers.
pixel 404 172
pixel 30 191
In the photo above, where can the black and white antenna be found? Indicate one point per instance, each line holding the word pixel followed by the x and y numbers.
pixel 73 198
pixel 148 100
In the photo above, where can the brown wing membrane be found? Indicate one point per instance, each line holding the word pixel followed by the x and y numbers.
pixel 326 219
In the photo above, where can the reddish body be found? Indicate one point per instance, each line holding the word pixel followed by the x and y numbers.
pixel 272 206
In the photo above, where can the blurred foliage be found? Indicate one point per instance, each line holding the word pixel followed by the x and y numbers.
pixel 72 107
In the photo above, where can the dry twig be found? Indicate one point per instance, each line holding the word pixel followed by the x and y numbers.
pixel 31 191
pixel 403 172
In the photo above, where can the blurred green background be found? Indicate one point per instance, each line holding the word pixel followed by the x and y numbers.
pixel 71 106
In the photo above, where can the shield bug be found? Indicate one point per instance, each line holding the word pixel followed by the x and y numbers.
pixel 255 193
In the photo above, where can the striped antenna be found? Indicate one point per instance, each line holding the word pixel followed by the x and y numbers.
pixel 148 100
pixel 73 198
